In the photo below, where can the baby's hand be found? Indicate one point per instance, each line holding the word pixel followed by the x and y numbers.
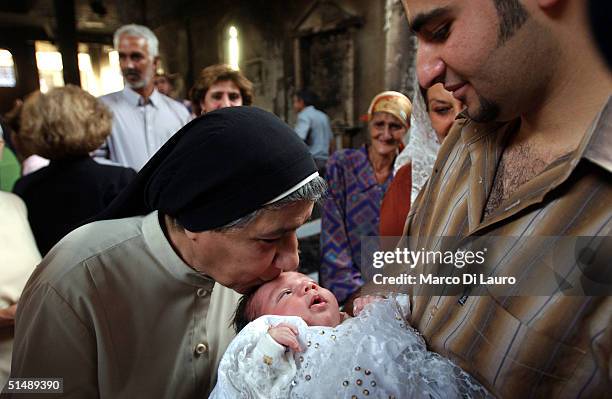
pixel 360 302
pixel 286 335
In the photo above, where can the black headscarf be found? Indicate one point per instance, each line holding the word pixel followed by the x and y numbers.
pixel 216 169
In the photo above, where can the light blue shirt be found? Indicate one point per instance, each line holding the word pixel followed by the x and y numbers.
pixel 140 129
pixel 313 127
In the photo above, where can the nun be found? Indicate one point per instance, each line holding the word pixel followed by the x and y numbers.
pixel 139 302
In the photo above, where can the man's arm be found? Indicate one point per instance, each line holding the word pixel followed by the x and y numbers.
pixel 52 340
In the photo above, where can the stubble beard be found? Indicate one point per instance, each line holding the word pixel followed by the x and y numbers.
pixel 487 111
pixel 137 85
pixel 143 82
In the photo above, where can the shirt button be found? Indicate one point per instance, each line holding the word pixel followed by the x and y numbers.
pixel 201 292
pixel 200 349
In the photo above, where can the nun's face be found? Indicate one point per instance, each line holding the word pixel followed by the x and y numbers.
pixel 246 257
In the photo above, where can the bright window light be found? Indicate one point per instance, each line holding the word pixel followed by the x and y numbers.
pixel 110 74
pixel 234 50
pixel 89 82
pixel 49 63
pixel 7 69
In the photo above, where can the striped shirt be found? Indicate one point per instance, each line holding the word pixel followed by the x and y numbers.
pixel 553 345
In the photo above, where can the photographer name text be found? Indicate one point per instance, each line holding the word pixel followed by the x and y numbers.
pixel 431 279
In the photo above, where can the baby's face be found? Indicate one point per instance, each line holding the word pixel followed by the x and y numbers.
pixel 295 294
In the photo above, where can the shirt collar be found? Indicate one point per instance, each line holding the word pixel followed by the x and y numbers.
pixel 598 143
pixel 136 99
pixel 485 151
pixel 307 108
pixel 366 175
pixel 162 250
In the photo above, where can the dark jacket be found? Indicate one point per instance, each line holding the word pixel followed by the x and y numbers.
pixel 63 195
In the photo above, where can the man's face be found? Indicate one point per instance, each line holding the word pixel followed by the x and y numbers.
pixel 295 294
pixel 221 95
pixel 298 104
pixel 136 64
pixel 386 133
pixel 485 64
pixel 245 257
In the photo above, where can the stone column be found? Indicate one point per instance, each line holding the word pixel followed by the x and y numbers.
pixel 400 50
pixel 65 22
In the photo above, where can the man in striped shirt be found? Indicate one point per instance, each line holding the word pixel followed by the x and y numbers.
pixel 530 156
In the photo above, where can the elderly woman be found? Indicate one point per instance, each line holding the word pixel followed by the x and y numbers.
pixel 434 112
pixel 220 86
pixel 64 125
pixel 358 179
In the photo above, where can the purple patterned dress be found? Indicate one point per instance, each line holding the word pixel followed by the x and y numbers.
pixel 351 211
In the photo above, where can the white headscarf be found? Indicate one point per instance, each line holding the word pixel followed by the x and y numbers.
pixel 423 145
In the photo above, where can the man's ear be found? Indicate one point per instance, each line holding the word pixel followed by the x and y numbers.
pixel 155 63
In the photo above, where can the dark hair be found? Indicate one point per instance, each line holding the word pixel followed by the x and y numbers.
pixel 218 73
pixel 307 96
pixel 244 313
pixel 512 15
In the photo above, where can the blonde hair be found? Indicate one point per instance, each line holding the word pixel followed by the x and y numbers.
pixel 218 73
pixel 63 123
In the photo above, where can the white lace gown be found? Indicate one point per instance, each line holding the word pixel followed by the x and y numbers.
pixel 374 355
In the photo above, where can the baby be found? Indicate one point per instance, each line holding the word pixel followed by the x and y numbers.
pixel 295 343
pixel 293 294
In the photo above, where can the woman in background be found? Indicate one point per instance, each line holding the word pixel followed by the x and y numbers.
pixel 358 179
pixel 64 125
pixel 434 113
pixel 220 86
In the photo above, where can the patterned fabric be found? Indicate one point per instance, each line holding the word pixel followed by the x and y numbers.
pixel 351 211
pixel 554 345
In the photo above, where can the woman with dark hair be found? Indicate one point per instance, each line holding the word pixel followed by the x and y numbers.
pixel 220 86
pixel 64 125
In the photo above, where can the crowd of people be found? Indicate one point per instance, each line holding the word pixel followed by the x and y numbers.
pixel 151 240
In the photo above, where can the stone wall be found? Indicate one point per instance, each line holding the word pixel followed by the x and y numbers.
pixel 193 34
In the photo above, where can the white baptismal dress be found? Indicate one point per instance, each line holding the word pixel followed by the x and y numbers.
pixel 374 355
